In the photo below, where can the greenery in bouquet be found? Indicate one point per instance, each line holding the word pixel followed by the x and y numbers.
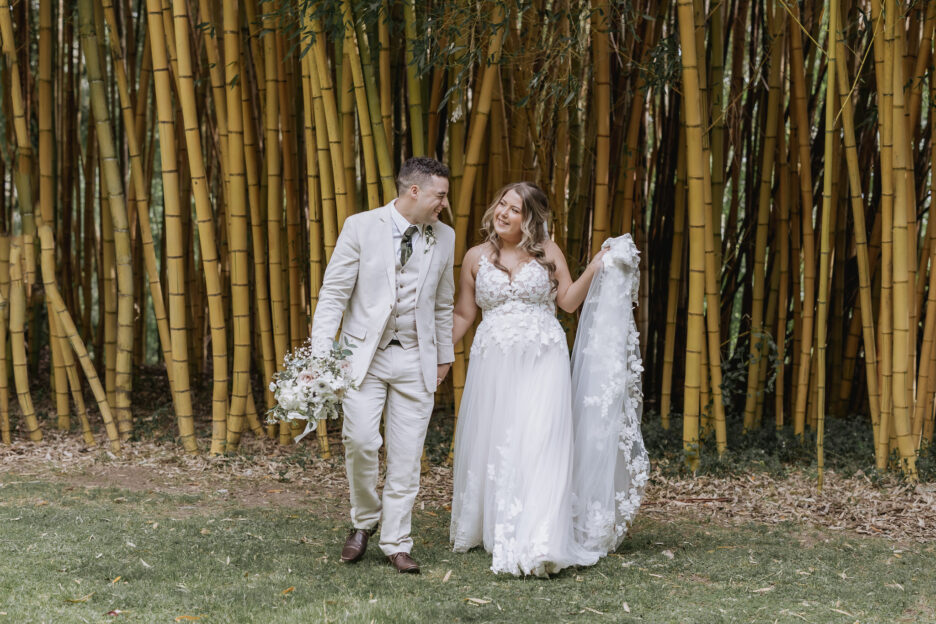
pixel 314 380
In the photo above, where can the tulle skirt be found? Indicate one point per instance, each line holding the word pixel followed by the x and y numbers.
pixel 513 461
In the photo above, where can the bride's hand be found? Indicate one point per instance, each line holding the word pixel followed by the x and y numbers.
pixel 595 263
pixel 441 371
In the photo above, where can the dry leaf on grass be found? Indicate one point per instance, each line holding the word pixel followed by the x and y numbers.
pixel 84 598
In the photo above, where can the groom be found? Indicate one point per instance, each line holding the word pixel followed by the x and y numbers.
pixel 389 282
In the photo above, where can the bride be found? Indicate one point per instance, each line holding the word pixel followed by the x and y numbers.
pixel 514 475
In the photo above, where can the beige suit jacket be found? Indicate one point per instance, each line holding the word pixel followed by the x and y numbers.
pixel 359 287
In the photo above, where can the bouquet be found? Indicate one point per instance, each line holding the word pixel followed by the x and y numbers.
pixel 314 380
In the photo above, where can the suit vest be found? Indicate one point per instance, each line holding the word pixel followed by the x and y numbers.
pixel 402 322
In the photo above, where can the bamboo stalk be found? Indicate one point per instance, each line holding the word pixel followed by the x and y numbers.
pixel 237 214
pixel 261 286
pixel 68 325
pixel 824 243
pixel 206 237
pixel 331 128
pixel 18 344
pixel 902 300
pixel 861 241
pixel 173 229
pixel 413 84
pixel 368 148
pixel 113 178
pixel 807 309
pixel 601 216
pixel 694 164
pixel 5 435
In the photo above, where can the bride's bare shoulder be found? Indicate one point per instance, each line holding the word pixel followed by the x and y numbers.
pixel 474 254
pixel 552 250
pixel 473 257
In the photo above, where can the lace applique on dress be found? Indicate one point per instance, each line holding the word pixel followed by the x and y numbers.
pixel 516 313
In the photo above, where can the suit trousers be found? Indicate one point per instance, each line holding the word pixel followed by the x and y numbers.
pixel 394 382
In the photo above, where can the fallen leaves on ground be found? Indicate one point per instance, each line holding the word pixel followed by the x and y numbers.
pixel 888 507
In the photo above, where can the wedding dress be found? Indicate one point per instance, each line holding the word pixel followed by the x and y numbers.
pixel 550 465
pixel 513 444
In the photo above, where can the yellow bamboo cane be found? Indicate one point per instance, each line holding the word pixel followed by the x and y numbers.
pixel 413 84
pixel 480 114
pixel 316 269
pixel 274 212
pixel 237 209
pixel 884 64
pixel 68 325
pixel 861 240
pixel 368 147
pixel 902 301
pixel 206 237
pixel 173 231
pixel 347 140
pixel 132 121
pixel 320 64
pixel 286 81
pixel 4 315
pixel 601 215
pixel 329 204
pixel 675 272
pixel 23 174
pixel 695 336
pixel 383 61
pixel 375 106
pixel 824 243
pixel 47 193
pixel 783 242
pixel 18 344
pixel 807 310
pixel 280 293
pixel 261 286
pixel 113 178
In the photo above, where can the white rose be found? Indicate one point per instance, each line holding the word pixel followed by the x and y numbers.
pixel 288 399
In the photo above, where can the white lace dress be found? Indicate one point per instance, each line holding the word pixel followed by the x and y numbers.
pixel 514 442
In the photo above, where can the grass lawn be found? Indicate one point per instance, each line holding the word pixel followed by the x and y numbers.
pixel 70 553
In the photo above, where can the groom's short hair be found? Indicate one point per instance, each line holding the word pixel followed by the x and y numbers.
pixel 418 170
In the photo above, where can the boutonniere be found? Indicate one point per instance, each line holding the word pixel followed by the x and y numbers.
pixel 430 238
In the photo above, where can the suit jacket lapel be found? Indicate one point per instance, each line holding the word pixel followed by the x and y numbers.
pixel 425 261
pixel 386 247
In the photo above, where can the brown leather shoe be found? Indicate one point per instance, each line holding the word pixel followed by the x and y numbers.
pixel 403 563
pixel 355 545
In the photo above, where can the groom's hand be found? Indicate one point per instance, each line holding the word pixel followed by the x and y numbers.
pixel 441 371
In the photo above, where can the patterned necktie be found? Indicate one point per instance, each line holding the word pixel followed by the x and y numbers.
pixel 406 247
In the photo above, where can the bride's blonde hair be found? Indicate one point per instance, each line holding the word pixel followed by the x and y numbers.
pixel 534 212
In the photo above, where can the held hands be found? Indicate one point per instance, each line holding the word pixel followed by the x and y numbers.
pixel 441 371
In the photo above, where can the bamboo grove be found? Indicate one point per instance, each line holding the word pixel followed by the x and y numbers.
pixel 184 167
